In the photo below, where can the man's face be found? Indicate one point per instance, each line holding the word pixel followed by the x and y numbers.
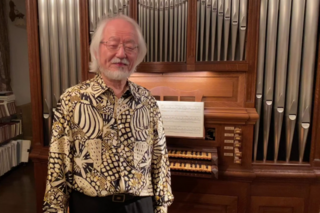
pixel 118 50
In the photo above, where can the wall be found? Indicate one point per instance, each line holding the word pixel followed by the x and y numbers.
pixel 19 66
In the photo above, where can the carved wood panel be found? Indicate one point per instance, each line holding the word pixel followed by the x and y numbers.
pixel 218 89
pixel 205 203
pixel 277 205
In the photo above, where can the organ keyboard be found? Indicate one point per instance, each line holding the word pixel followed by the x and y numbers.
pixel 193 167
pixel 193 163
pixel 190 154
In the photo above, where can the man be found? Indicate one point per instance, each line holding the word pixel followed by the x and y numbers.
pixel 108 151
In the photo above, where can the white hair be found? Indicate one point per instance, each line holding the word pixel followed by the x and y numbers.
pixel 97 37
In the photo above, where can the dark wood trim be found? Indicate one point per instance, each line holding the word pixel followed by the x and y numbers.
pixel 34 71
pixel 315 141
pixel 40 174
pixel 161 67
pixel 84 38
pixel 252 51
pixel 164 67
pixel 134 9
pixel 230 115
pixel 191 32
pixel 219 66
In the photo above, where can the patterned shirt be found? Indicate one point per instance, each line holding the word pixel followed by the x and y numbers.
pixel 102 145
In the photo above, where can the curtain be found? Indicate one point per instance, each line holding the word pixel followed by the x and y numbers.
pixel 5 81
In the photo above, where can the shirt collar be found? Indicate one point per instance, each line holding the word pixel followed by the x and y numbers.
pixel 100 87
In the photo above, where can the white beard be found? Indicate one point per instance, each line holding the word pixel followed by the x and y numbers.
pixel 120 74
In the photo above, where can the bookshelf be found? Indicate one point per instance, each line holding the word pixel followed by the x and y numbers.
pixel 11 149
pixel 10 124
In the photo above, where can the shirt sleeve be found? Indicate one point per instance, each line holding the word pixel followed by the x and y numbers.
pixel 59 175
pixel 160 167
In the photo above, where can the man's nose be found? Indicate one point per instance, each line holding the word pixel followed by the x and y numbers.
pixel 120 52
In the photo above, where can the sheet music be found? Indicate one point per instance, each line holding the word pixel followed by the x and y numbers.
pixel 182 118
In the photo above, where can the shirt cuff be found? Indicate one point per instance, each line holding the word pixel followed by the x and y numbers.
pixel 161 209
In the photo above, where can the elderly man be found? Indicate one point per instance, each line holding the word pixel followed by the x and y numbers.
pixel 108 151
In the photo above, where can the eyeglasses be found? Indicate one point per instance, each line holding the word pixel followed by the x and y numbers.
pixel 113 44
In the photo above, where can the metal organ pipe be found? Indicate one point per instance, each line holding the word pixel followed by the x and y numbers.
pixel 161 8
pixel 270 69
pixel 234 27
pixel 166 29
pixel 147 37
pixel 92 14
pixel 45 65
pixel 59 26
pixel 171 30
pixel 77 36
pixel 281 71
pixel 260 71
pixel 296 35
pixel 243 26
pixel 105 8
pixel 63 44
pixel 307 73
pixel 202 13
pixel 183 28
pixel 151 30
pixel 220 23
pixel 72 43
pixel 213 26
pixel 227 14
pixel 175 51
pixel 99 10
pixel 179 29
pixel 208 15
pixel 156 13
pixel 198 29
pixel 54 51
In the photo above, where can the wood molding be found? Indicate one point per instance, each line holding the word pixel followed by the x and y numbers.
pixel 277 204
pixel 134 9
pixel 191 33
pixel 34 71
pixel 244 116
pixel 252 51
pixel 314 205
pixel 84 38
pixel 198 202
pixel 315 148
pixel 40 153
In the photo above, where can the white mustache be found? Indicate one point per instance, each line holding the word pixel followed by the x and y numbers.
pixel 118 60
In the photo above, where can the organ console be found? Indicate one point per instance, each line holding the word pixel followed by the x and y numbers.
pixel 255 65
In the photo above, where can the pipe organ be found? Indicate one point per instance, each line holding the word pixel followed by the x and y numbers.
pixel 285 79
pixel 255 65
pixel 59 36
pixel 221 30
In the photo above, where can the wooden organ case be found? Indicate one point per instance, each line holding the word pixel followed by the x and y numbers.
pixel 229 52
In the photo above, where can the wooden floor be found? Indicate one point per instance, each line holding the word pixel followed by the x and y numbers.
pixel 17 192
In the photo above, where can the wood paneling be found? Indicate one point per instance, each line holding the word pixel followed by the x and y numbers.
pixel 40 174
pixel 282 189
pixel 218 89
pixel 204 203
pixel 84 38
pixel 34 71
pixel 314 204
pixel 252 51
pixel 277 205
pixel 315 150
pixel 191 33
pixel 209 194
